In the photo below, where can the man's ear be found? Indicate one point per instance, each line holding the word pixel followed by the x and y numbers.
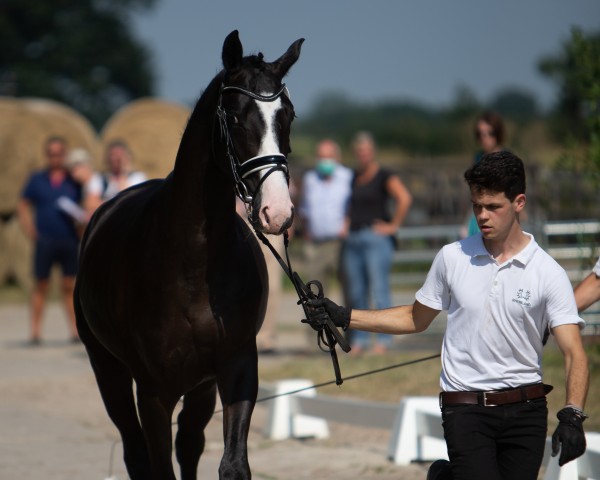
pixel 519 202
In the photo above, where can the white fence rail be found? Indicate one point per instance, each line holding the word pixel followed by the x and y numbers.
pixel 416 426
pixel 571 243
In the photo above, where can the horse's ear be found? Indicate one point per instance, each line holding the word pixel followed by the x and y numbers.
pixel 232 51
pixel 285 62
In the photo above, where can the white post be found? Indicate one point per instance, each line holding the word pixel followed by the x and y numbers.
pixel 409 440
pixel 282 420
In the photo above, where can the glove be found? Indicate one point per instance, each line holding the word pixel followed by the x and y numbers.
pixel 317 317
pixel 340 316
pixel 568 438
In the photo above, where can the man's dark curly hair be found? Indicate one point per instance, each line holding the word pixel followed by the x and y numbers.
pixel 498 172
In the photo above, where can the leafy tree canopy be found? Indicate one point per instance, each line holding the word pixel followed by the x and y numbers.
pixel 80 52
pixel 410 125
pixel 576 71
pixel 577 121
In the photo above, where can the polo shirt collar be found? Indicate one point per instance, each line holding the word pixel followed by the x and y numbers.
pixel 523 257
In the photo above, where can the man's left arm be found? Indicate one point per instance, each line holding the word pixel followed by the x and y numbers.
pixel 568 338
pixel 569 437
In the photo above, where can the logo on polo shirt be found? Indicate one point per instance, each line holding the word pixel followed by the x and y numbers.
pixel 522 297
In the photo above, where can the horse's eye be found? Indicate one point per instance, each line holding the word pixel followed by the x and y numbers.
pixel 234 119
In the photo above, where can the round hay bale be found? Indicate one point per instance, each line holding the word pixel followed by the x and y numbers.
pixel 3 256
pixel 152 128
pixel 18 253
pixel 25 124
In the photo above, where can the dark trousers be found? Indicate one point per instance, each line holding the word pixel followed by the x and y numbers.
pixel 496 443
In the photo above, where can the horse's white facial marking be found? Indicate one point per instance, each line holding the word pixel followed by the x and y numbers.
pixel 268 110
pixel 276 207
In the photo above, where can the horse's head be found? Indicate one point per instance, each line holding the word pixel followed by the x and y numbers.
pixel 255 115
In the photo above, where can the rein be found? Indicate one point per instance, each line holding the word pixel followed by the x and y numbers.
pixel 242 170
pixel 327 334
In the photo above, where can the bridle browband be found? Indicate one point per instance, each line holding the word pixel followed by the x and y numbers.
pixel 242 170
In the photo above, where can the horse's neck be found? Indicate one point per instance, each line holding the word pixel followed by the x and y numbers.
pixel 202 194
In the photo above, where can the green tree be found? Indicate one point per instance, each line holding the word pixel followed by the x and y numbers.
pixel 577 72
pixel 516 104
pixel 80 52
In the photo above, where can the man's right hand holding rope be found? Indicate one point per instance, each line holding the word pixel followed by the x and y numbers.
pixel 321 308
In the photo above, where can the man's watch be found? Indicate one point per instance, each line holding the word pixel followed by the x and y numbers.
pixel 580 413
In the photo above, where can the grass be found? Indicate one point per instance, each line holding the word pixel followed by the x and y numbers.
pixel 422 378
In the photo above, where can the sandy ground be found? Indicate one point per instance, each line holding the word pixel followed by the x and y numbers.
pixel 54 426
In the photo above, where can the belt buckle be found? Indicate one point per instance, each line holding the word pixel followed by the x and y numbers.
pixel 485 400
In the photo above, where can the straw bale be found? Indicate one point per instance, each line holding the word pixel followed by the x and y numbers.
pixel 152 128
pixel 17 254
pixel 25 124
pixel 3 255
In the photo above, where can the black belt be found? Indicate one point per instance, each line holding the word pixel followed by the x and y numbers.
pixel 496 397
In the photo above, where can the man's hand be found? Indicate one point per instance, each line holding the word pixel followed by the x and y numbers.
pixel 317 317
pixel 340 316
pixel 568 438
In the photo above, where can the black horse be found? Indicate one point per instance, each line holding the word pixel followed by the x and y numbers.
pixel 172 286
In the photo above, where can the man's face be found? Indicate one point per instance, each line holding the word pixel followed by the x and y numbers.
pixel 327 150
pixel 55 154
pixel 117 159
pixel 495 213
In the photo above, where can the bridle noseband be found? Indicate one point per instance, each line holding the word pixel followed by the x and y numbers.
pixel 242 170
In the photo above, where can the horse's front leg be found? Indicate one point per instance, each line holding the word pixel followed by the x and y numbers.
pixel 155 415
pixel 238 387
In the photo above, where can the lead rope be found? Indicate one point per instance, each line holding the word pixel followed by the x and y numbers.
pixel 327 333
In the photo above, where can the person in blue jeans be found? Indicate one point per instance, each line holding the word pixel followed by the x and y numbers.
pixel 379 203
pixel 48 224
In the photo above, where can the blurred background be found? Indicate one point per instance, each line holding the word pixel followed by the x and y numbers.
pixel 415 74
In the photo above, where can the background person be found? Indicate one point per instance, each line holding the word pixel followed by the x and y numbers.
pixel 79 164
pixel 501 291
pixel 369 246
pixel 53 232
pixel 324 202
pixel 588 291
pixel 490 135
pixel 120 174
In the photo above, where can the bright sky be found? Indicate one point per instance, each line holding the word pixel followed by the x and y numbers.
pixel 370 50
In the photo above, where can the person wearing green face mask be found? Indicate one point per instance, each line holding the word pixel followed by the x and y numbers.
pixel 325 194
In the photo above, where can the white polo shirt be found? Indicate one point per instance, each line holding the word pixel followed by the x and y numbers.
pixel 497 314
pixel 596 268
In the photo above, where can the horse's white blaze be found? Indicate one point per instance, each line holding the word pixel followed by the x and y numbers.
pixel 276 207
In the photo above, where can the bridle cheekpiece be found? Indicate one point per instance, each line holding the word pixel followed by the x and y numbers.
pixel 242 170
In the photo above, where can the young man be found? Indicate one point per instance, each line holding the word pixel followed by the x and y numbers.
pixel 502 292
pixel 588 291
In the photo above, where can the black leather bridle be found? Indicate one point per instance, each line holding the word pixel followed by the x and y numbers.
pixel 242 170
pixel 328 335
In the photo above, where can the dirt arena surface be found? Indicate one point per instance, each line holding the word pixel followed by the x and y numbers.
pixel 54 426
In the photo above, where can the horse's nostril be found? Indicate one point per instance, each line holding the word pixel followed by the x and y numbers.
pixel 265 215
